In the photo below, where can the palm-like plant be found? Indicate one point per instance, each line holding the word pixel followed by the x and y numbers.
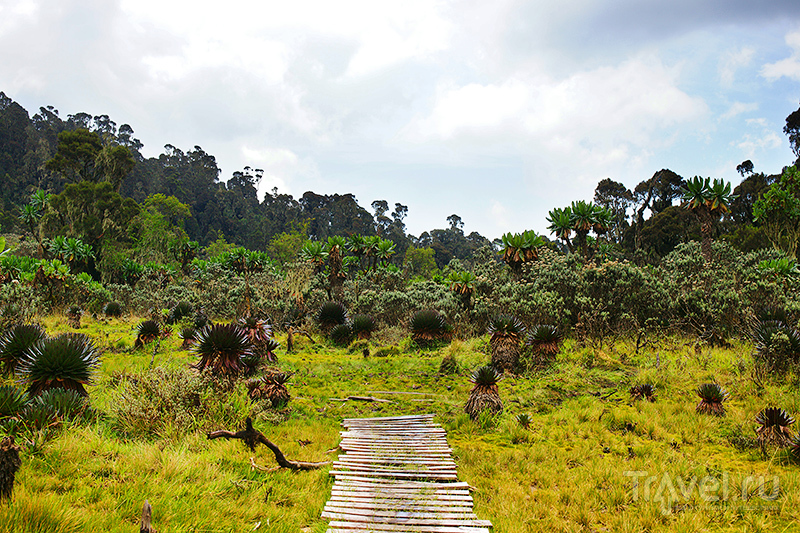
pixel 257 330
pixel 15 342
pixel 463 284
pixel 146 332
pixel 428 327
pixel 484 395
pixel 385 250
pixel 363 326
pixel 524 420
pixel 188 336
pixel 220 349
pixel 773 427
pixel 505 335
pixel 67 361
pixel 561 225
pixel 644 391
pixel 314 252
pixel 712 397
pixel 545 342
pixel 331 314
pixel 708 201
pixel 519 248
pixel 582 219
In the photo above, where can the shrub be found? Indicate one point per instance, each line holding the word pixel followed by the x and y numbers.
pixel 12 399
pixel 146 332
pixel 113 309
pixel 363 326
pixel 341 334
pixel 181 310
pixel 331 314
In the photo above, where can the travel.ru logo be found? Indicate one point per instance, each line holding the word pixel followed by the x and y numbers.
pixel 675 492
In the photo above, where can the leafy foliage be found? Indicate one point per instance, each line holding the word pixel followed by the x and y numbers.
pixel 113 309
pixel 773 427
pixel 341 334
pixel 644 391
pixel 363 326
pixel 12 399
pixel 331 314
pixel 146 332
pixel 271 387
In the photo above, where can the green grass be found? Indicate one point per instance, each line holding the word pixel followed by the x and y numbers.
pixel 572 470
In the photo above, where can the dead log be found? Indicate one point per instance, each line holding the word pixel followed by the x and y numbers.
pixel 9 464
pixel 147 513
pixel 361 399
pixel 251 437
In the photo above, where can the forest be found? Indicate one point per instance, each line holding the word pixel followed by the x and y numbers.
pixel 147 306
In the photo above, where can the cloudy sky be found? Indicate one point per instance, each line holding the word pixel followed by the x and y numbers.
pixel 496 111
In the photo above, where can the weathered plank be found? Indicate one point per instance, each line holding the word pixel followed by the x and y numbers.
pixel 398 475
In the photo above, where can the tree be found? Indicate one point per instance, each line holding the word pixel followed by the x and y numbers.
pixel 708 201
pixel 655 194
pixel 76 155
pixel 616 198
pixel 114 163
pixel 778 212
pixel 792 130
pixel 745 167
pixel 561 225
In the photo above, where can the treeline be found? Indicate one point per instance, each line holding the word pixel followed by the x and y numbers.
pixel 46 152
pixel 90 165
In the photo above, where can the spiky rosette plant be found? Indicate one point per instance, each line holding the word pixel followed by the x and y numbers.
pixel 271 387
pixel 363 326
pixel 67 361
pixel 12 399
pixel 146 332
pixel 505 335
pixel 712 397
pixel 113 309
pixel 341 335
pixel 74 314
pixel 200 319
pixel 773 427
pixel 257 330
pixel 795 446
pixel 269 349
pixel 68 404
pixel 331 314
pixel 524 420
pixel 428 327
pixel 771 313
pixel 36 415
pixel 776 344
pixel 484 396
pixel 182 309
pixel 188 336
pixel 644 391
pixel 545 342
pixel 220 349
pixel 15 341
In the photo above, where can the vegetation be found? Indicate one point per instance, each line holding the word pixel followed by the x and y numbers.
pixel 484 396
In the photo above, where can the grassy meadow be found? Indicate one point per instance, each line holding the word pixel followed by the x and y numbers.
pixel 591 459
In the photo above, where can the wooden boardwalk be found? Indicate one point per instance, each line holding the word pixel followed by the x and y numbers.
pixel 398 475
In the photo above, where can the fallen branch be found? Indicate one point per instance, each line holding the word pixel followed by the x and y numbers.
pixel 254 466
pixel 361 399
pixel 251 437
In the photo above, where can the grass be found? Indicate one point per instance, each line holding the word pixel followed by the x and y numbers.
pixel 574 469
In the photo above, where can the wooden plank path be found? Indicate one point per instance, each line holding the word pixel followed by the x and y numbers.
pixel 397 475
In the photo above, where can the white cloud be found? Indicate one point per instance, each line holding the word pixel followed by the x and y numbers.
pixel 282 167
pixel 732 61
pixel 584 125
pixel 737 108
pixel 788 67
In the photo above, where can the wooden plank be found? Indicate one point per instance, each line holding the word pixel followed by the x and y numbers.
pixel 344 527
pixel 363 493
pixel 409 521
pixel 387 418
pixel 345 460
pixel 406 529
pixel 426 505
pixel 358 478
pixel 403 514
pixel 396 475
pixel 390 471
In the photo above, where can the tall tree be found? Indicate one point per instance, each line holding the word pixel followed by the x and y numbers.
pixel 778 212
pixel 792 130
pixel 616 198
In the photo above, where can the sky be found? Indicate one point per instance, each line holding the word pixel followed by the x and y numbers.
pixel 495 111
